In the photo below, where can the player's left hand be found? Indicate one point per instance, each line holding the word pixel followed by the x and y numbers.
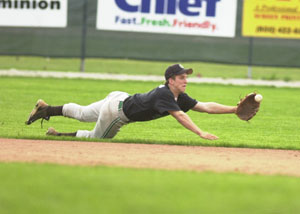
pixel 208 136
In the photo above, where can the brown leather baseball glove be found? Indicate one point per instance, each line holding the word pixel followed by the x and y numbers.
pixel 247 107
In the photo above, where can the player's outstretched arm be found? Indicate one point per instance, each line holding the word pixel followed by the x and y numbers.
pixel 214 108
pixel 186 121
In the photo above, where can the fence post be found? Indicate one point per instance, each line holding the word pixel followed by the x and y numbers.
pixel 83 35
pixel 250 52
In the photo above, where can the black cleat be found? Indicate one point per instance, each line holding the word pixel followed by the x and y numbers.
pixel 39 111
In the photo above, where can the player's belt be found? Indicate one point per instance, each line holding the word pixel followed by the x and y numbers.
pixel 120 105
pixel 121 113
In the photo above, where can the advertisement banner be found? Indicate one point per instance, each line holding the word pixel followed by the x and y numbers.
pixel 33 13
pixel 272 18
pixel 189 17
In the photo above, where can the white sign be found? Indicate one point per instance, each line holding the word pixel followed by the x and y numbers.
pixel 33 13
pixel 191 17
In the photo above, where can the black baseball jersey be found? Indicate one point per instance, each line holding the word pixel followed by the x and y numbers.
pixel 156 104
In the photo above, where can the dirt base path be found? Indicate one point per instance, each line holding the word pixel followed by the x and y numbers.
pixel 216 159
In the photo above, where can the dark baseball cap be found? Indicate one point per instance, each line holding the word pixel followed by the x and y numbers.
pixel 176 69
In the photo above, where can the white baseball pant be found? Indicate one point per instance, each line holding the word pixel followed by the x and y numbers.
pixel 107 113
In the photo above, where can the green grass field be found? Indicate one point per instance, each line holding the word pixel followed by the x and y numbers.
pixel 44 188
pixel 33 188
pixel 275 125
pixel 134 67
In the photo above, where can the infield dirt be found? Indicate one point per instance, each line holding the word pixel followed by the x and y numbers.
pixel 190 158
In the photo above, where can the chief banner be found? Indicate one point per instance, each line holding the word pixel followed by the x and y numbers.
pixel 272 18
pixel 190 17
pixel 33 13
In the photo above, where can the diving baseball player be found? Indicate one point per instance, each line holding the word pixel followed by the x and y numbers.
pixel 120 108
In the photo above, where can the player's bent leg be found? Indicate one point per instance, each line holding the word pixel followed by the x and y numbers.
pixel 110 120
pixel 102 120
pixel 113 129
pixel 107 126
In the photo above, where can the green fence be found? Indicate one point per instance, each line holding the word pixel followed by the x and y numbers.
pixel 66 42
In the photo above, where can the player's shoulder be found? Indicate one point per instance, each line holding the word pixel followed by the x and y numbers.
pixel 163 89
pixel 160 92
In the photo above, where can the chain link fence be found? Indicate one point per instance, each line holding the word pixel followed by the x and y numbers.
pixel 68 42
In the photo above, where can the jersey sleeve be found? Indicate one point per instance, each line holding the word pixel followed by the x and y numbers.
pixel 186 103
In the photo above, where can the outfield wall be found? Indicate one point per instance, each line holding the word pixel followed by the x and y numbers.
pixel 66 42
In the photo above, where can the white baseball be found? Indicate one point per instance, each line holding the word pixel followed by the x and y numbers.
pixel 258 98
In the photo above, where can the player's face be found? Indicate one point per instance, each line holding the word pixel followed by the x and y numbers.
pixel 180 82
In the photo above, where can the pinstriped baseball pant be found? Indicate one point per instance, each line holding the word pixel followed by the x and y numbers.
pixel 107 113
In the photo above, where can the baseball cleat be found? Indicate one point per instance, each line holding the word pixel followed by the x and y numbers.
pixel 39 111
pixel 51 131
